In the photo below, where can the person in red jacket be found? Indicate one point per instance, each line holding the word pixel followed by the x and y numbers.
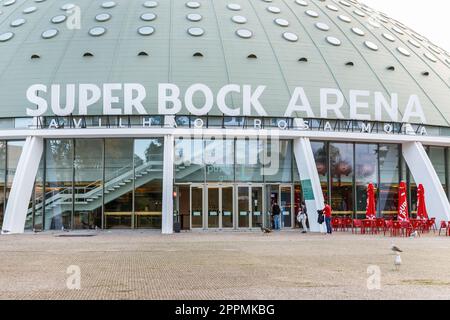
pixel 327 211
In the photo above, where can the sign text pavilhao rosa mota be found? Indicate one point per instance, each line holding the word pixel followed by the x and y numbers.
pixel 128 99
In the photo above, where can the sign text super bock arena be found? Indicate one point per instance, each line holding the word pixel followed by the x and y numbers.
pixel 128 99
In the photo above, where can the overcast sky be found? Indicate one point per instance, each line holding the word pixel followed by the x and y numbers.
pixel 431 18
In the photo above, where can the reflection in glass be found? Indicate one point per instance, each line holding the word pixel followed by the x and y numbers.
pixel 286 207
pixel 389 179
pixel 249 153
pixel 341 162
pixel 437 158
pixel 35 214
pixel 148 163
pixel 88 168
pixel 118 190
pixel 189 164
pixel 366 157
pixel 219 160
pixel 243 206
pixel 257 206
pixel 321 158
pixel 278 166
pixel 213 207
pixel 227 207
pixel 58 184
pixel 197 207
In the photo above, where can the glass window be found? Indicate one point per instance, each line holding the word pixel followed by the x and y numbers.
pixel 249 153
pixel 413 194
pixel 35 216
pixel 88 168
pixel 219 160
pixel 341 168
pixel 118 185
pixel 389 179
pixel 189 165
pixel 321 158
pixel 278 162
pixel 437 157
pixel 148 167
pixel 58 184
pixel 366 158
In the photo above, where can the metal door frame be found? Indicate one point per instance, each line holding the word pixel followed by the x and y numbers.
pixel 249 187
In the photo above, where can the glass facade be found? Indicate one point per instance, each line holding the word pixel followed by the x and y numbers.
pixel 117 183
pixel 389 158
pixel 341 177
pixel 98 183
pixel 366 165
pixel 348 168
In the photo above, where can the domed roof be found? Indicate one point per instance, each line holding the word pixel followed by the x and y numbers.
pixel 281 44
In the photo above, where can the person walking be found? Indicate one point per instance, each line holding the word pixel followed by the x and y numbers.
pixel 301 217
pixel 276 215
pixel 328 212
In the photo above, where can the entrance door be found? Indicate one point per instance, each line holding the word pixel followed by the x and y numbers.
pixel 196 207
pixel 256 206
pixel 281 194
pixel 286 206
pixel 250 206
pixel 213 208
pixel 219 207
pixel 227 207
pixel 243 210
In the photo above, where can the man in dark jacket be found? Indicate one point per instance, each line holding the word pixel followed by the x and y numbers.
pixel 276 215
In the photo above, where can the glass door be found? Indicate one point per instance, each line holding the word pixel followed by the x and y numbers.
pixel 227 207
pixel 286 206
pixel 243 206
pixel 213 207
pixel 257 207
pixel 196 207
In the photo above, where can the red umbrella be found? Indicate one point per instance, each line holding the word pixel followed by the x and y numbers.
pixel 422 213
pixel 370 208
pixel 403 214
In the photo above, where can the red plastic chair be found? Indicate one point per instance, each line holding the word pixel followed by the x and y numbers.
pixel 417 225
pixel 366 226
pixel 428 225
pixel 444 226
pixel 380 225
pixel 388 226
pixel 356 224
pixel 348 224
pixel 407 228
pixel 396 229
pixel 335 223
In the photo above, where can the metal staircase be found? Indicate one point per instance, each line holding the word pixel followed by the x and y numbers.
pixel 90 197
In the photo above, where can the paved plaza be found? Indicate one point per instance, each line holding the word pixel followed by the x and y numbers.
pixel 228 265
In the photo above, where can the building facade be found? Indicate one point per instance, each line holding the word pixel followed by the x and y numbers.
pixel 136 115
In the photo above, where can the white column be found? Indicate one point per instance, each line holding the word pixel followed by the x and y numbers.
pixel 167 201
pixel 22 187
pixel 312 191
pixel 423 172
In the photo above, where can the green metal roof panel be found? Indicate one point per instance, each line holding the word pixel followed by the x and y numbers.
pixel 171 48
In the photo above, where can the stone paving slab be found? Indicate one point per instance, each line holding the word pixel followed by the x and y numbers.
pixel 222 265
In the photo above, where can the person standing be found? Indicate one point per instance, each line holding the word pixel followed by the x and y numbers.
pixel 276 215
pixel 328 212
pixel 302 216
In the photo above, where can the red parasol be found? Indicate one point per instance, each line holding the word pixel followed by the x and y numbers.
pixel 403 214
pixel 422 213
pixel 371 213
